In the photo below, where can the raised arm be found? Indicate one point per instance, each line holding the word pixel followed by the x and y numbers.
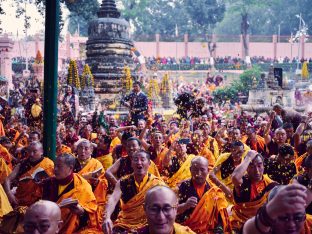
pixel 239 172
pixel 213 176
pixel 142 138
pixel 267 137
pixel 111 172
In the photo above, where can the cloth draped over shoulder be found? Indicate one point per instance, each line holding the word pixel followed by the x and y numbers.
pixel 81 191
pixel 28 191
pixel 4 170
pixel 183 173
pixel 241 212
pixel 205 216
pixel 132 215
pixel 5 206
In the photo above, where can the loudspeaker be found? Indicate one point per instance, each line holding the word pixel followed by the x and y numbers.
pixel 278 74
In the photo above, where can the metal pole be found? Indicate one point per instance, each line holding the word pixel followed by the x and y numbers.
pixel 279 33
pixel 50 77
pixel 26 37
pixel 299 42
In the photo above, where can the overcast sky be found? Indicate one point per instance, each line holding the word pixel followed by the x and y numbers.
pixel 11 24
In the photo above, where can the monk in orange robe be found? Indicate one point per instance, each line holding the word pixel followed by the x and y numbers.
pixel 92 170
pixel 300 159
pixel 177 164
pixel 29 173
pixel 5 146
pixel 209 141
pixel 74 196
pixel 196 209
pixel 157 149
pixel 251 190
pixel 61 148
pixel 131 191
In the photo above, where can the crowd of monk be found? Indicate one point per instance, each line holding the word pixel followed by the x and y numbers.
pixel 161 176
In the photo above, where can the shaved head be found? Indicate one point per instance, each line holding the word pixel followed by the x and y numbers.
pixel 200 160
pixel 161 209
pixel 44 216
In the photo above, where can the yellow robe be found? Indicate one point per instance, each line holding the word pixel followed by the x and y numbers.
pixel 179 229
pixel 206 214
pixel 5 206
pixel 28 192
pixel 83 193
pixel 5 154
pixel 211 143
pixel 132 215
pixel 241 212
pixel 228 180
pixel 106 160
pixel 100 190
pixel 116 141
pixel 4 170
pixel 183 173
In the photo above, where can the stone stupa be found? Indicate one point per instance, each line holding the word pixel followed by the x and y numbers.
pixel 109 50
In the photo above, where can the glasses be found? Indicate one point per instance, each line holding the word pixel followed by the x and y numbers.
pixel 296 218
pixel 155 210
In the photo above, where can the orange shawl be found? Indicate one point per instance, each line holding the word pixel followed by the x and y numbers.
pixel 160 158
pixel 205 215
pixel 28 192
pixel 83 193
pixel 211 143
pixel 4 170
pixel 106 160
pixel 132 215
pixel 5 154
pixel 241 212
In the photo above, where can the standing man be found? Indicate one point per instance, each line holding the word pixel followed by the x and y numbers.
pixel 137 103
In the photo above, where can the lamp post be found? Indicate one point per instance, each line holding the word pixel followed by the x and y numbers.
pixel 279 32
pixel 299 39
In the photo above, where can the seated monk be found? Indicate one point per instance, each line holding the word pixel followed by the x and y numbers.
pixel 250 190
pixel 92 170
pixel 44 217
pixel 123 167
pixel 209 141
pixel 73 194
pixel 4 170
pixel 177 166
pixel 305 179
pixel 5 206
pixel 281 168
pixel 221 174
pixel 254 141
pixel 131 190
pixel 102 152
pixel 202 205
pixel 299 160
pixel 234 134
pixel 197 147
pixel 157 149
pixel 28 174
pixel 160 207
pixel 61 148
pixel 284 213
pixel 5 146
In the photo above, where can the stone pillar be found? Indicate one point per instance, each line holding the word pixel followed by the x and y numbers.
pixel 274 39
pixel 157 45
pixel 6 46
pixel 68 54
pixel 185 45
pixel 302 45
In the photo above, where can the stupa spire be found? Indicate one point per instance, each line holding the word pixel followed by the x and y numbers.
pixel 108 9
